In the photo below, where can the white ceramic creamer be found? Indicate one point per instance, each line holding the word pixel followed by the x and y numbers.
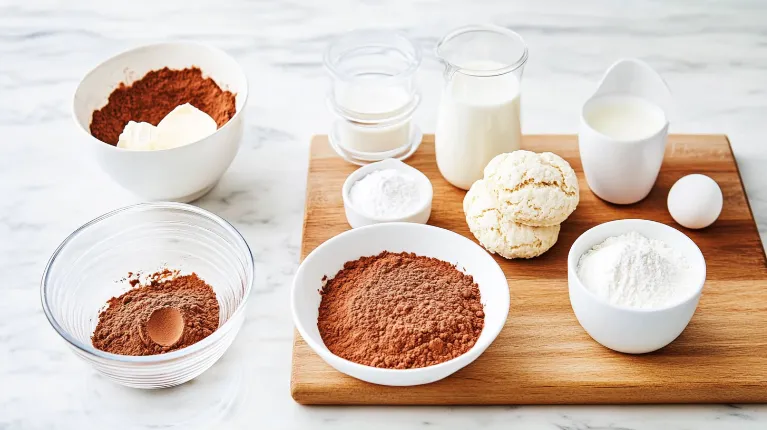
pixel 479 114
pixel 623 132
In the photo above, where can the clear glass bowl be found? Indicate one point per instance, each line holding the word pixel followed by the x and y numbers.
pixel 91 265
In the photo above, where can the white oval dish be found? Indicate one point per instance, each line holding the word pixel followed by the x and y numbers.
pixel 179 174
pixel 328 258
pixel 357 218
pixel 625 329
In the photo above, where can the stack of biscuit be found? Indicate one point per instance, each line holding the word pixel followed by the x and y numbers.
pixel 516 210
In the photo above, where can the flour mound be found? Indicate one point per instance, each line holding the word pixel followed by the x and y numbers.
pixel 634 271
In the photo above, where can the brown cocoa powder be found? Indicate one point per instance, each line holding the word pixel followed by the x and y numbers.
pixel 122 326
pixel 152 97
pixel 400 311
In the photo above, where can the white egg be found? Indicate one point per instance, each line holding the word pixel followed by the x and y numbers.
pixel 695 201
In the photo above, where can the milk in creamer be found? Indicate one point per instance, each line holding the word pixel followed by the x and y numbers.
pixel 624 117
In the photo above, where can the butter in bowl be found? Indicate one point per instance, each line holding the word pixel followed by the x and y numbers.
pixel 164 121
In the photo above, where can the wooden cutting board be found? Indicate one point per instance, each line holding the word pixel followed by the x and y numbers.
pixel 543 356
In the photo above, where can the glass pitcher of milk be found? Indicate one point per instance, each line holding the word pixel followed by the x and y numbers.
pixel 479 112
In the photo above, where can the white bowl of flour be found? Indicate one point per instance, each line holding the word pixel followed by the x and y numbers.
pixel 387 191
pixel 635 284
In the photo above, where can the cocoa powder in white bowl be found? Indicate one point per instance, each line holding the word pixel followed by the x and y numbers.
pixel 423 240
pixel 400 311
pixel 180 174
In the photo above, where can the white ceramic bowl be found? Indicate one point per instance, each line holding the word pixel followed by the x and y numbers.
pixel 625 329
pixel 424 240
pixel 178 174
pixel 357 218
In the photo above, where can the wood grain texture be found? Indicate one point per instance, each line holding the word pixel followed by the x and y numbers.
pixel 543 356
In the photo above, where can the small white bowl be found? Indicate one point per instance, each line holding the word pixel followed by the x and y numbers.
pixel 179 174
pixel 625 329
pixel 424 240
pixel 357 218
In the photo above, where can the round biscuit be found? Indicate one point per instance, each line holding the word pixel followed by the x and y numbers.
pixel 533 189
pixel 505 238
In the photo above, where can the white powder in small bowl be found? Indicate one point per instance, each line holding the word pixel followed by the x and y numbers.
pixel 386 193
pixel 634 271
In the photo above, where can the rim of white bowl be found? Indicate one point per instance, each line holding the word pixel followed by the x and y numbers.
pixel 317 348
pixel 572 265
pixel 381 165
pixel 245 92
pixel 156 358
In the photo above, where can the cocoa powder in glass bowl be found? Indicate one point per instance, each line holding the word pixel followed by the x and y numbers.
pixel 123 324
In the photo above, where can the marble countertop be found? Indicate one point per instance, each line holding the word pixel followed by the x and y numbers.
pixel 712 54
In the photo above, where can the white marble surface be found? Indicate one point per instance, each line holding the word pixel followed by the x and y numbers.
pixel 713 55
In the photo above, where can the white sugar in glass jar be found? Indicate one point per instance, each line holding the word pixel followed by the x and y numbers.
pixel 373 95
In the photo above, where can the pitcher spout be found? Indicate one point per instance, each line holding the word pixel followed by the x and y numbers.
pixel 636 78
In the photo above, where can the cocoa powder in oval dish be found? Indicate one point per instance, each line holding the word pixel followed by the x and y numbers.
pixel 122 326
pixel 400 311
